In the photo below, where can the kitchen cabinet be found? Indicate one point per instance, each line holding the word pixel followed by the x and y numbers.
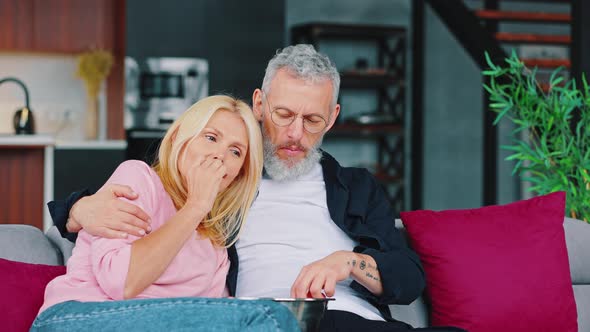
pixel 26 163
pixel 58 26
pixel 34 170
pixel 72 26
pixel 16 28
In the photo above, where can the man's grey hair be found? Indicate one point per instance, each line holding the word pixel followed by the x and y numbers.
pixel 304 62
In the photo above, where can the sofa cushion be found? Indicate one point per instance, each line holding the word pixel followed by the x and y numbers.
pixel 415 313
pixel 27 244
pixel 22 286
pixel 497 268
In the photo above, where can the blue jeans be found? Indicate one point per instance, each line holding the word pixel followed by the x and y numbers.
pixel 171 314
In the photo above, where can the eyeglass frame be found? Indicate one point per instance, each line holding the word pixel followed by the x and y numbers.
pixel 294 117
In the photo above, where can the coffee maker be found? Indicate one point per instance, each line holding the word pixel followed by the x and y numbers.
pixel 158 90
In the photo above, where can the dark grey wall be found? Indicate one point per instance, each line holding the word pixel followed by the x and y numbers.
pixel 236 37
pixel 72 171
pixel 357 152
pixel 452 121
pixel 239 37
pixel 452 102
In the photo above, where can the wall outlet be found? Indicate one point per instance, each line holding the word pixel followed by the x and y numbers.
pixel 68 115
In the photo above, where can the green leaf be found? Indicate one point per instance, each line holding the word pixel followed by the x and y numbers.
pixel 502 113
pixel 555 82
pixel 489 61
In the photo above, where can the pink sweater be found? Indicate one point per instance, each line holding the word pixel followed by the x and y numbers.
pixel 98 267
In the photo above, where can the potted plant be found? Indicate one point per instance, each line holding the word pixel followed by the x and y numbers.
pixel 551 139
pixel 93 68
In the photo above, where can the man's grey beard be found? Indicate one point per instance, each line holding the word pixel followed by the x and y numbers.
pixel 290 169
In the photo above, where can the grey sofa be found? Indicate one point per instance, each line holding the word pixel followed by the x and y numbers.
pixel 28 244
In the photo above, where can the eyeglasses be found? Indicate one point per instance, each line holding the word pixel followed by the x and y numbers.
pixel 312 123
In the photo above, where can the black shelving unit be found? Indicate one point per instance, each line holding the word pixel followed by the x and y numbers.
pixel 387 79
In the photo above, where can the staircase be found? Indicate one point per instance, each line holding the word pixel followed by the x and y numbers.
pixel 476 25
pixel 532 18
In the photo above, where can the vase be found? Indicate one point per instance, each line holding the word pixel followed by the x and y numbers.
pixel 92 118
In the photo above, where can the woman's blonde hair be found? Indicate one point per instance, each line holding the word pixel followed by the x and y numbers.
pixel 224 222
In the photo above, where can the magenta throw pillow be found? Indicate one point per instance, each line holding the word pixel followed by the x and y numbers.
pixel 497 268
pixel 22 288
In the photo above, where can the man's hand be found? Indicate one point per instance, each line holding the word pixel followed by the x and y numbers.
pixel 104 215
pixel 323 275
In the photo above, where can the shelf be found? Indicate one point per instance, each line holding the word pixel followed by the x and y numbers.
pixel 347 31
pixel 360 130
pixel 91 145
pixel 385 77
pixel 388 179
pixel 368 80
pixel 26 141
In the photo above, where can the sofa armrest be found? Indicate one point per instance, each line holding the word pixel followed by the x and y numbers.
pixel 64 245
pixel 577 237
pixel 27 244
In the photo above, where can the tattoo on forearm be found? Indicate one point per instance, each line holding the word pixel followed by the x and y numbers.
pixel 372 276
pixel 362 265
pixel 353 263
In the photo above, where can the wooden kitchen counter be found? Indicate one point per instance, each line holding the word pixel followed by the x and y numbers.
pixel 26 179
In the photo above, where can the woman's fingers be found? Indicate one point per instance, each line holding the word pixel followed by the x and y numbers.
pixel 110 233
pixel 125 223
pixel 141 218
pixel 120 190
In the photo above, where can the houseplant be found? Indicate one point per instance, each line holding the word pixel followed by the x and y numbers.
pixel 551 139
pixel 93 68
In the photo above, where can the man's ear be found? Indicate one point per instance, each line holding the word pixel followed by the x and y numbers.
pixel 257 104
pixel 333 117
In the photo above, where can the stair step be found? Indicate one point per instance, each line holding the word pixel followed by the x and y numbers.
pixel 523 16
pixel 547 63
pixel 531 38
pixel 545 86
pixel 542 1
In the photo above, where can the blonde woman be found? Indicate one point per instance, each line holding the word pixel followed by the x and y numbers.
pixel 197 196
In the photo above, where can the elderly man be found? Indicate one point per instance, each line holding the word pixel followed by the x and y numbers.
pixel 316 228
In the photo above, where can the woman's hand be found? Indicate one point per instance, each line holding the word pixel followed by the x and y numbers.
pixel 203 181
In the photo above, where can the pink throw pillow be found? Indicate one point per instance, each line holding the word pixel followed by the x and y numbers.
pixel 497 268
pixel 22 288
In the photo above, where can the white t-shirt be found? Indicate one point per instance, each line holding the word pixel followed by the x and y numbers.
pixel 289 226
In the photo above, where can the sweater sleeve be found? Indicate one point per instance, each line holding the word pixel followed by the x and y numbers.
pixel 110 258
